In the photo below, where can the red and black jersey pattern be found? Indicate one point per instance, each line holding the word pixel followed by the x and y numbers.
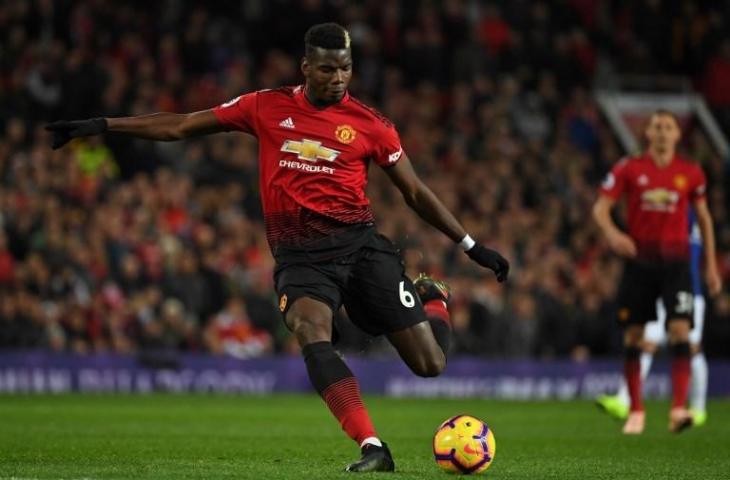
pixel 313 162
pixel 305 227
pixel 658 200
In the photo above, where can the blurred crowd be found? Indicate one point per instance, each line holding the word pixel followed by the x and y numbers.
pixel 120 245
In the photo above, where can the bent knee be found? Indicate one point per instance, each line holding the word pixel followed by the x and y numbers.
pixel 308 332
pixel 679 330
pixel 430 366
pixel 634 336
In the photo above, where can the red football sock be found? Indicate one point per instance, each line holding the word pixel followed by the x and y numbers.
pixel 344 401
pixel 632 374
pixel 437 308
pixel 680 381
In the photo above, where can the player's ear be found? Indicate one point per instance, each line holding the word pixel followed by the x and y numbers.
pixel 305 67
pixel 679 131
pixel 647 129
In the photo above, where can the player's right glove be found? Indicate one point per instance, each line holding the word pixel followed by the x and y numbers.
pixel 64 130
pixel 490 259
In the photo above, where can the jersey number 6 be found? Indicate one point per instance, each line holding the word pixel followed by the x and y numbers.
pixel 406 297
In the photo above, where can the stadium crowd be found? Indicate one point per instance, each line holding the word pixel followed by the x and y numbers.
pixel 122 245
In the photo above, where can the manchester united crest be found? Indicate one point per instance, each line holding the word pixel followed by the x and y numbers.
pixel 345 134
pixel 680 181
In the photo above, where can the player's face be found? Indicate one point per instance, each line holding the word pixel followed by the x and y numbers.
pixel 663 133
pixel 328 73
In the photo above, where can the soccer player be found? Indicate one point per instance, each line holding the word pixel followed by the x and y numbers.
pixel 315 144
pixel 655 336
pixel 659 186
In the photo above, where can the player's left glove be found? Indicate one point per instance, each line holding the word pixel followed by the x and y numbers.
pixel 64 130
pixel 490 259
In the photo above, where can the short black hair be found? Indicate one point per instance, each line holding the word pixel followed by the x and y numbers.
pixel 330 36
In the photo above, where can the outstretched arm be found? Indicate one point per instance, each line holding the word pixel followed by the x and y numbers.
pixel 423 201
pixel 157 126
pixel 427 205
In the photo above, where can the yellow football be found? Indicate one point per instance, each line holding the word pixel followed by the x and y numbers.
pixel 464 444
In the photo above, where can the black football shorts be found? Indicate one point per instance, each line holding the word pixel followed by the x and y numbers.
pixel 644 282
pixel 371 284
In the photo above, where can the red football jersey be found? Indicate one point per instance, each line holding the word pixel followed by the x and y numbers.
pixel 313 162
pixel 658 199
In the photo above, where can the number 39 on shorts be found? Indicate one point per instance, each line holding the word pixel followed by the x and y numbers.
pixel 684 302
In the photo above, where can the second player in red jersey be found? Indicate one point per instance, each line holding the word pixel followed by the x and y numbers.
pixel 659 187
pixel 657 201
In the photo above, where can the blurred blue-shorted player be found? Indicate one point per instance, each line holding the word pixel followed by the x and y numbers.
pixel 655 336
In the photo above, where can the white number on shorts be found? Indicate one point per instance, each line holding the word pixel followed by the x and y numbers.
pixel 684 302
pixel 406 297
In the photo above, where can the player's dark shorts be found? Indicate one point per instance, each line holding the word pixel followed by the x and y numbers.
pixel 370 282
pixel 645 282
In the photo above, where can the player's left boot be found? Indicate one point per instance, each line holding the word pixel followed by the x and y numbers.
pixel 374 459
pixel 680 419
pixel 613 406
pixel 428 288
pixel 699 417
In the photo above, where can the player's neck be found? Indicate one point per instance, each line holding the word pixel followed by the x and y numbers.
pixel 661 158
pixel 317 103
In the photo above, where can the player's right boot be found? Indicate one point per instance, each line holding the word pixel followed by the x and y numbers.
pixel 680 419
pixel 635 423
pixel 613 406
pixel 374 459
pixel 428 288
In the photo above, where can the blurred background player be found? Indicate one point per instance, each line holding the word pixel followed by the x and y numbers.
pixel 659 186
pixel 655 336
pixel 315 145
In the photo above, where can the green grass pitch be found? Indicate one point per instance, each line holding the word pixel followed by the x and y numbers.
pixel 294 437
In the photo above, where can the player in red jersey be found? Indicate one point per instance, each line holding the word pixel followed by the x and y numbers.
pixel 315 144
pixel 659 186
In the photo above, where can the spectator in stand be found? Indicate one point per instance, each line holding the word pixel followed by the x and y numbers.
pixel 511 141
pixel 7 262
pixel 715 82
pixel 231 332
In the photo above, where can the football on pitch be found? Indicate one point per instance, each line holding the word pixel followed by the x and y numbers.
pixel 464 444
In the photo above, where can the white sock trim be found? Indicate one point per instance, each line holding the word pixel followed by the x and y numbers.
pixel 645 361
pixel 698 383
pixel 371 441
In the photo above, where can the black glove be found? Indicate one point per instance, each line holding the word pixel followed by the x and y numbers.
pixel 490 259
pixel 64 131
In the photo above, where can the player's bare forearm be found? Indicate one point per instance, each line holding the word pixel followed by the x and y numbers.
pixel 157 126
pixel 427 205
pixel 166 126
pixel 704 222
pixel 602 216
pixel 423 201
pixel 619 241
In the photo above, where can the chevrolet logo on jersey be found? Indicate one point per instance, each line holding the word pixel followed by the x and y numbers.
pixel 310 150
pixel 659 199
